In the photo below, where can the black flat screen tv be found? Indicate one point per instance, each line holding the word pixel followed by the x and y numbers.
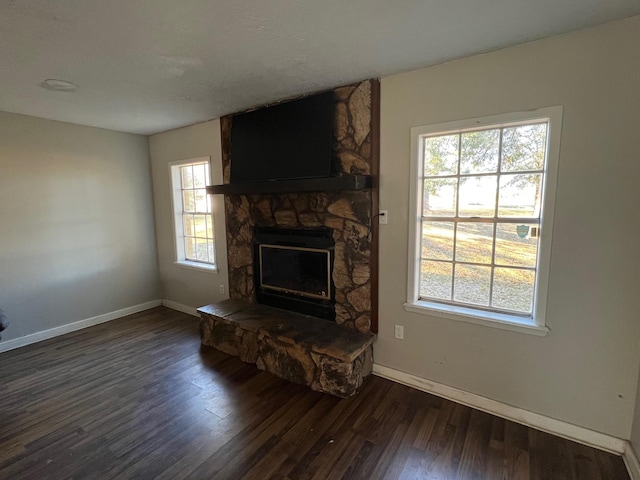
pixel 288 141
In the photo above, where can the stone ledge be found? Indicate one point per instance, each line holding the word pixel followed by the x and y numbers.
pixel 299 348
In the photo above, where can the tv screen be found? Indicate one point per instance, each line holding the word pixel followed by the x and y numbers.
pixel 287 141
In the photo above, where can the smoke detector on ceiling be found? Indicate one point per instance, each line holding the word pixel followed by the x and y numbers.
pixel 58 85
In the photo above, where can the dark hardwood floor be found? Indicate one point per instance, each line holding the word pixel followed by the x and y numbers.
pixel 138 398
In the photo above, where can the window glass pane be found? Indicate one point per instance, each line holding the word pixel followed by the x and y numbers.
pixel 187 176
pixel 479 151
pixel 435 280
pixel 201 200
pixel 523 147
pixel 439 197
pixel 202 254
pixel 209 209
pixel 211 251
pixel 520 195
pixel 515 246
pixel 441 155
pixel 474 242
pixel 437 240
pixel 478 196
pixel 209 226
pixel 190 248
pixel 189 225
pixel 472 284
pixel 513 289
pixel 199 176
pixel 201 225
pixel 188 201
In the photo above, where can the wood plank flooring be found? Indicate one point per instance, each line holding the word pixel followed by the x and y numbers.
pixel 138 398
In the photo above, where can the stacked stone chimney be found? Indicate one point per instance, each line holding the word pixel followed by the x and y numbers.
pixel 348 213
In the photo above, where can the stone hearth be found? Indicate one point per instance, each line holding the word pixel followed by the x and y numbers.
pixel 299 348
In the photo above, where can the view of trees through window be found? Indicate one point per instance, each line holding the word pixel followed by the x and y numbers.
pixel 196 213
pixel 481 210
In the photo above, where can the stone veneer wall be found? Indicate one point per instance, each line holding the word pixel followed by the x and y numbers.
pixel 348 213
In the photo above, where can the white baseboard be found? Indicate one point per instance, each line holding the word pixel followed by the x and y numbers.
pixel 180 307
pixel 631 461
pixel 515 414
pixel 72 327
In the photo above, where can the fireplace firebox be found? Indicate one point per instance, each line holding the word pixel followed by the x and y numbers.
pixel 293 269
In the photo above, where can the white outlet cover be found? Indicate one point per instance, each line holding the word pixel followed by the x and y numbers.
pixel 399 332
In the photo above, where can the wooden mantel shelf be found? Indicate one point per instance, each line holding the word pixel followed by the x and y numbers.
pixel 341 182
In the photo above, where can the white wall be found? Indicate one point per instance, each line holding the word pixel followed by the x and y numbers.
pixel 76 223
pixel 183 285
pixel 585 371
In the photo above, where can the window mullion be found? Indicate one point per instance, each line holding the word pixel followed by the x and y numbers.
pixel 534 220
pixel 455 222
pixel 495 216
pixel 481 174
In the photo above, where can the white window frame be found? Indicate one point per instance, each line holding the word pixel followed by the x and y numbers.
pixel 178 226
pixel 536 323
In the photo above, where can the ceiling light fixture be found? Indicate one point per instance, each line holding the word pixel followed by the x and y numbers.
pixel 58 85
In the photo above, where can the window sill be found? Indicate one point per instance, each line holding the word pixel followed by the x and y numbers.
pixel 202 267
pixel 490 319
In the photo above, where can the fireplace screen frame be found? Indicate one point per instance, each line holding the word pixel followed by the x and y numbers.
pixel 263 284
pixel 302 238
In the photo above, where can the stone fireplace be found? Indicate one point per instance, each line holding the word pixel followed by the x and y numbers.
pixel 351 215
pixel 312 254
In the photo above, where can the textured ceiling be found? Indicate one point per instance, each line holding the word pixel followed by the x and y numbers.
pixel 149 66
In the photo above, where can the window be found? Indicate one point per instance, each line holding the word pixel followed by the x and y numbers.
pixel 482 196
pixel 193 218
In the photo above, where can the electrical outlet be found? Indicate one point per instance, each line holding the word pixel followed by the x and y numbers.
pixel 400 332
pixel 222 288
pixel 383 217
